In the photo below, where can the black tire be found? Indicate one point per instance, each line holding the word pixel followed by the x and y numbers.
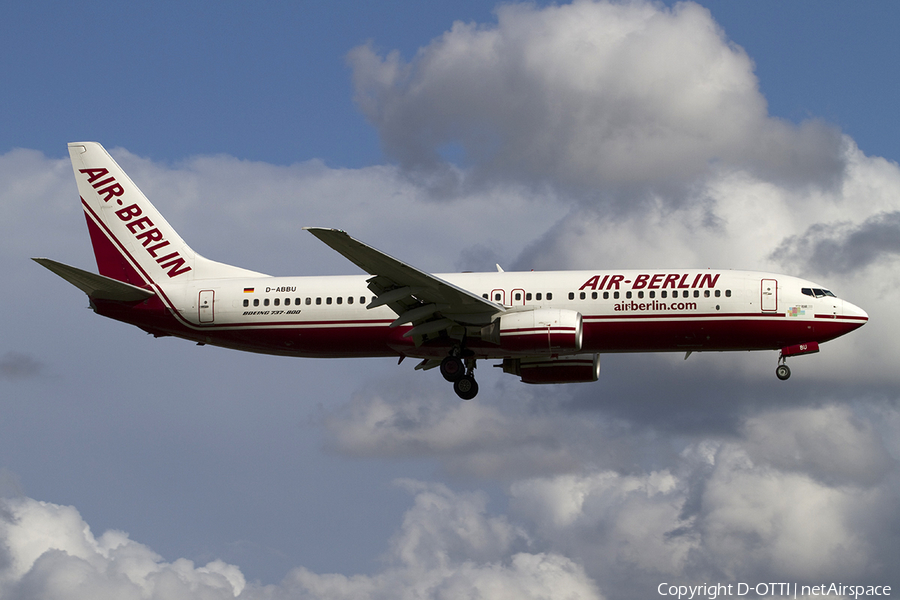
pixel 452 368
pixel 466 387
pixel 783 372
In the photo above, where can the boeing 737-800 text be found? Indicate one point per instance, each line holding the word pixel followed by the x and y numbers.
pixel 545 327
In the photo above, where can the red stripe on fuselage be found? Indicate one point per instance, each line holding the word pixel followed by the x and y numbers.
pixel 621 332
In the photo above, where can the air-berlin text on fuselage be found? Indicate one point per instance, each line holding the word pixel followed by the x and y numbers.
pixel 652 281
pixel 141 227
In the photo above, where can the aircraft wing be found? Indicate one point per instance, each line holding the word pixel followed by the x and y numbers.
pixel 431 304
pixel 96 286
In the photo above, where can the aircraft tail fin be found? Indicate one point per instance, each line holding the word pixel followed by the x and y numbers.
pixel 132 241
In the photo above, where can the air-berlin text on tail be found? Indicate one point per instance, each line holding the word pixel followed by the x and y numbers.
pixel 140 227
pixel 652 281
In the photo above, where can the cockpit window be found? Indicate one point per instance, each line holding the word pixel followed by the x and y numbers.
pixel 817 292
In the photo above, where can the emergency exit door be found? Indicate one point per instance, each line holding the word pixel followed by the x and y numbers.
pixel 769 295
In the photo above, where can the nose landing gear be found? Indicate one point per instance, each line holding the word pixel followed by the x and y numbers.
pixel 782 371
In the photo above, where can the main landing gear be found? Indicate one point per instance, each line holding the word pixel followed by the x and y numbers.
pixel 460 372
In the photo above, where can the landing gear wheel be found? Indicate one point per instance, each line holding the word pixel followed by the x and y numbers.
pixel 452 368
pixel 782 372
pixel 466 387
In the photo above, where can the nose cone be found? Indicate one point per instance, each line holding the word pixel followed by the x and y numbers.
pixel 855 313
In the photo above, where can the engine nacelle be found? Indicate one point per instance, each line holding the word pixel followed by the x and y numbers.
pixel 539 331
pixel 578 368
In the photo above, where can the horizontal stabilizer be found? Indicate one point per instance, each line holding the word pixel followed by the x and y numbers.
pixel 96 286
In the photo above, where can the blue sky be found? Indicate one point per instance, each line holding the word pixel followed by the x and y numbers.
pixel 240 122
pixel 270 82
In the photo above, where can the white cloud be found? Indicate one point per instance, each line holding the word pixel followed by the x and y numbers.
pixel 719 513
pixel 447 547
pixel 743 508
pixel 596 98
pixel 474 438
pixel 759 520
pixel 53 554
pixel 830 444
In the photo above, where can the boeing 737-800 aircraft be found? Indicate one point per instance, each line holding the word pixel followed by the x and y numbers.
pixel 545 327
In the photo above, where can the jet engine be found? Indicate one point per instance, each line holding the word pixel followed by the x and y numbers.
pixel 578 368
pixel 539 331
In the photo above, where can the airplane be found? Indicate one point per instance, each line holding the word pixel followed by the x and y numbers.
pixel 544 327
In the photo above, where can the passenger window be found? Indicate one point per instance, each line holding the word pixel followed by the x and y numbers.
pixel 537 296
pixel 362 299
pixel 706 293
pixel 606 295
pixel 696 293
pixel 628 295
pixel 308 300
pixel 728 293
pixel 318 301
pixel 518 296
pixel 340 300
pixel 593 295
pixel 528 296
pixel 571 295
pixel 485 296
pixel 256 302
pixel 328 300
pixel 277 301
pixel 615 295
pixel 297 301
pixel 549 295
pixel 718 293
pixel 498 297
pixel 349 299
pixel 287 301
pixel 652 294
pixel 266 302
pixel 663 294
pixel 246 303
pixel 640 294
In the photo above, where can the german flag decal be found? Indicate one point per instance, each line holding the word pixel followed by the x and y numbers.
pixel 248 290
